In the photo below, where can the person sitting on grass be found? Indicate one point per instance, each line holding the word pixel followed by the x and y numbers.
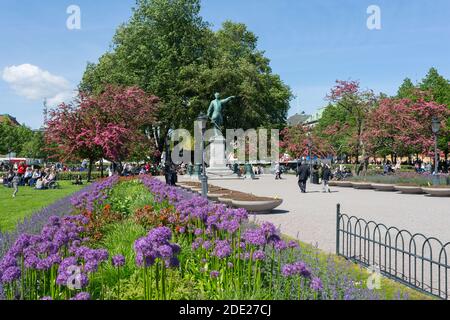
pixel 36 175
pixel 28 175
pixel 51 178
pixel 39 184
pixel 78 181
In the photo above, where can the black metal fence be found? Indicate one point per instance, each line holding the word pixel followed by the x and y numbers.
pixel 415 260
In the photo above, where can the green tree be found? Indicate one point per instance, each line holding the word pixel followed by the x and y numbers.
pixel 35 147
pixel 13 138
pixel 438 90
pixel 169 51
pixel 407 90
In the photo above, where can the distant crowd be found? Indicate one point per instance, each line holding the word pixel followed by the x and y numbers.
pixel 23 175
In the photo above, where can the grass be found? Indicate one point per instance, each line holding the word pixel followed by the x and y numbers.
pixel 28 201
pixel 391 289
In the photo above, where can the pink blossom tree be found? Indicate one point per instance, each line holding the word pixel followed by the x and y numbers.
pixel 113 125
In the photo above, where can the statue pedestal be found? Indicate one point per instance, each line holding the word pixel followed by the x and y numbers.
pixel 218 169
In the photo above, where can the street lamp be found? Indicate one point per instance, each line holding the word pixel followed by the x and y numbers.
pixel 310 145
pixel 203 119
pixel 435 127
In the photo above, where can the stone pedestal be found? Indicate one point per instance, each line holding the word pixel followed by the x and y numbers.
pixel 218 169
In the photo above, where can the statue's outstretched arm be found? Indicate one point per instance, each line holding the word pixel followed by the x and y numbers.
pixel 227 99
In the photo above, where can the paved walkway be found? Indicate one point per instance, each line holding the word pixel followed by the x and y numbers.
pixel 312 216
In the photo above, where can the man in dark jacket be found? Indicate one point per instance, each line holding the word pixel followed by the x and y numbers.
pixel 303 174
pixel 327 176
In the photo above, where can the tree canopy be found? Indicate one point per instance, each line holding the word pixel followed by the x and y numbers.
pixel 168 50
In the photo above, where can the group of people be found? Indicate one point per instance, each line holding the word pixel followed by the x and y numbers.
pixel 23 175
pixel 304 173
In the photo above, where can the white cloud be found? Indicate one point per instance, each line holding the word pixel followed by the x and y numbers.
pixel 33 83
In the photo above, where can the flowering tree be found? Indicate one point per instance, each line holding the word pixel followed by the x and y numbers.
pixel 296 139
pixel 69 136
pixel 402 126
pixel 112 125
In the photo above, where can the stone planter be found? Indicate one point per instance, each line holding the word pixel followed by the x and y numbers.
pixel 383 187
pixel 344 184
pixel 215 196
pixel 258 206
pixel 362 185
pixel 333 183
pixel 437 192
pixel 409 189
pixel 227 201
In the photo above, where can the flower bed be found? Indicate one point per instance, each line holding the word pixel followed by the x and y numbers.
pixel 176 246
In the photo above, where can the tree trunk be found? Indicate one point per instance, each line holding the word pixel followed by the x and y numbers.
pixel 101 168
pixel 89 177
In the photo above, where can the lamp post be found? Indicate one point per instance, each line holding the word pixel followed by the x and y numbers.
pixel 435 127
pixel 203 119
pixel 310 145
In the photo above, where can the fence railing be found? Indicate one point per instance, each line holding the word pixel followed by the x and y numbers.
pixel 415 260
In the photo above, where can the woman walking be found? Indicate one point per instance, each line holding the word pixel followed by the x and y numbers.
pixel 15 184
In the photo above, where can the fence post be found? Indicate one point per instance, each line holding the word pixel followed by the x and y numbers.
pixel 338 222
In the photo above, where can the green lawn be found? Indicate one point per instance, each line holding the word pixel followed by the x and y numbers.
pixel 28 201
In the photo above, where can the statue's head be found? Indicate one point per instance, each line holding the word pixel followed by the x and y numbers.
pixel 217 95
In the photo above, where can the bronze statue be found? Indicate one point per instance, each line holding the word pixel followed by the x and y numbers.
pixel 215 112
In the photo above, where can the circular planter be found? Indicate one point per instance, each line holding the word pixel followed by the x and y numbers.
pixel 215 196
pixel 409 189
pixel 437 192
pixel 227 201
pixel 362 185
pixel 344 184
pixel 258 206
pixel 333 183
pixel 383 187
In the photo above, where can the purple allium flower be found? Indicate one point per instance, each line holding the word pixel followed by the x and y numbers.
pixel 165 251
pixel 259 255
pixel 118 261
pixel 293 244
pixel 155 246
pixel 198 232
pixel 214 274
pixel 197 244
pixel 268 229
pixel 207 245
pixel 222 249
pixel 280 245
pixel 230 265
pixel 302 269
pixel 255 237
pixel 173 262
pixel 316 284
pixel 82 296
pixel 288 270
pixel 11 274
pixel 46 298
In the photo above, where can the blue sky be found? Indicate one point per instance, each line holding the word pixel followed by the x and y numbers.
pixel 310 44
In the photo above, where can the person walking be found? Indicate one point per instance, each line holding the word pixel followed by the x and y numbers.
pixel 277 171
pixel 303 174
pixel 327 175
pixel 15 184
